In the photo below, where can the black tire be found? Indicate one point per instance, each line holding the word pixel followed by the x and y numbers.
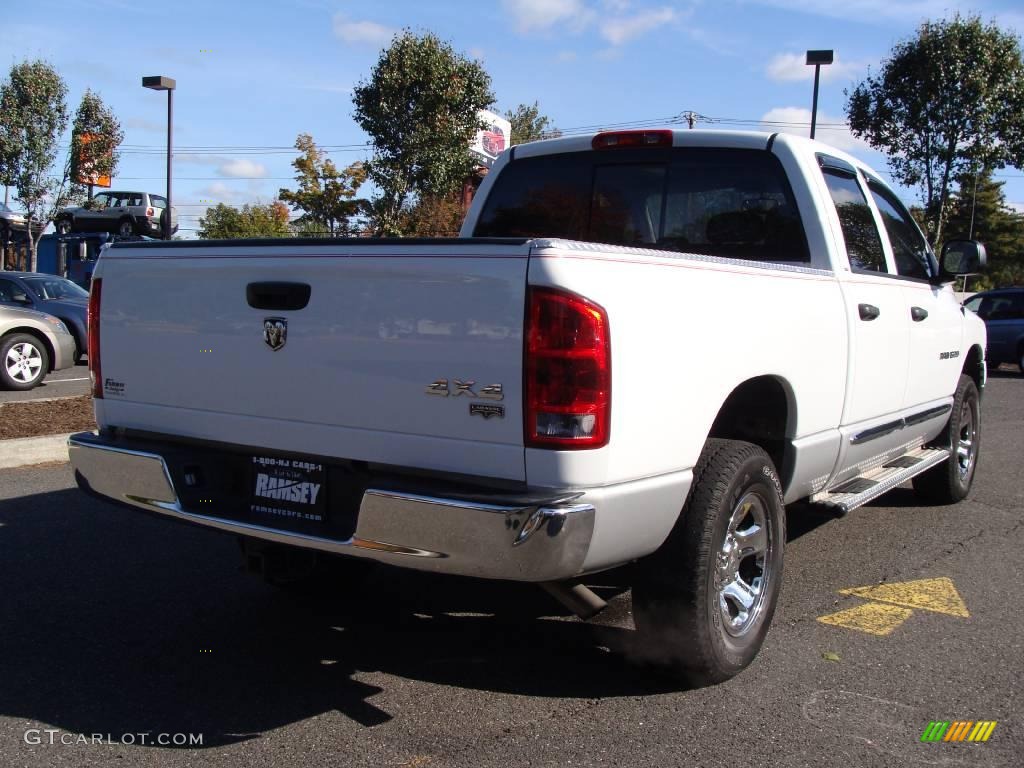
pixel 1020 358
pixel 64 225
pixel 24 361
pixel 683 599
pixel 950 481
pixel 126 227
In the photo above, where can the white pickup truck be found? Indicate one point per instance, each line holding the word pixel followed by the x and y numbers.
pixel 644 345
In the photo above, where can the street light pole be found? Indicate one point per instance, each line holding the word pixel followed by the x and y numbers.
pixel 817 58
pixel 161 83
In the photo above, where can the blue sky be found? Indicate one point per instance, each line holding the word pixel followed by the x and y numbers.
pixel 253 75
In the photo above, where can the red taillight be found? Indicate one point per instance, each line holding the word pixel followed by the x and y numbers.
pixel 149 213
pixel 93 342
pixel 622 139
pixel 568 371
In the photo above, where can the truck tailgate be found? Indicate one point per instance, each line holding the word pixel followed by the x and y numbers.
pixel 184 352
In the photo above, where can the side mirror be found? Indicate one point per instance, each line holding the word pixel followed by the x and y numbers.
pixel 963 257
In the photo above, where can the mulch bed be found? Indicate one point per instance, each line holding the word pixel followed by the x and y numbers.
pixel 53 417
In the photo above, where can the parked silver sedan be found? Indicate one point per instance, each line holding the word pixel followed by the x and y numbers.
pixel 31 345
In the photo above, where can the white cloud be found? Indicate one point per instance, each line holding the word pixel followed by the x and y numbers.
pixel 567 55
pixel 327 87
pixel 369 32
pixel 541 15
pixel 234 169
pixel 830 129
pixel 229 167
pixel 866 11
pixel 141 124
pixel 621 29
pixel 792 66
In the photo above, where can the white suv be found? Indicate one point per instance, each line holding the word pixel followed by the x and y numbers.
pixel 120 213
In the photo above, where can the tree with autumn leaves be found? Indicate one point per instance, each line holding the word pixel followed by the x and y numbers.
pixel 33 119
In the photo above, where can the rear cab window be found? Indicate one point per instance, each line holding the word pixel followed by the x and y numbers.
pixel 860 233
pixel 734 203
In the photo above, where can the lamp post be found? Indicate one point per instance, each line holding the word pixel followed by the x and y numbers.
pixel 817 58
pixel 161 83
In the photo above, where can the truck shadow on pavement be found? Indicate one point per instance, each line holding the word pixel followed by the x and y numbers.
pixel 114 622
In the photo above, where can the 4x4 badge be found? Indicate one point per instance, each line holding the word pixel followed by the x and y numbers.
pixel 275 332
pixel 442 388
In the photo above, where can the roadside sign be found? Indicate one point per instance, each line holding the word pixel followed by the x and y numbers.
pixel 493 140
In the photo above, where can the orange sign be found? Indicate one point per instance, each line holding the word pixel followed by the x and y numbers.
pixel 83 176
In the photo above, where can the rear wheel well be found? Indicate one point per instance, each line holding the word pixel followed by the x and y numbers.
pixel 760 411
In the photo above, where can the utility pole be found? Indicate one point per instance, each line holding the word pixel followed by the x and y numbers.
pixel 691 119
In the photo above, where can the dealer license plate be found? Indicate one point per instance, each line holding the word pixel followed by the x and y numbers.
pixel 288 489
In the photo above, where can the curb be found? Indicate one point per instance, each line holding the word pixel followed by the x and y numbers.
pixel 38 400
pixel 26 451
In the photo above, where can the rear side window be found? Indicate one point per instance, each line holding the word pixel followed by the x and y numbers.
pixel 863 243
pixel 721 202
pixel 909 248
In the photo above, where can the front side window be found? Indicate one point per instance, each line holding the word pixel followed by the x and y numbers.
pixel 721 202
pixel 863 243
pixel 909 248
pixel 157 201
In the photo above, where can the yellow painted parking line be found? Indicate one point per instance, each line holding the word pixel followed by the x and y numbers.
pixel 937 595
pixel 873 618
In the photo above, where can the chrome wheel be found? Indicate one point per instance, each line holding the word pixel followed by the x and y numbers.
pixel 24 363
pixel 966 445
pixel 743 566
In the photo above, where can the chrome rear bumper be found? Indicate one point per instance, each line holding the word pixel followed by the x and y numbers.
pixel 539 542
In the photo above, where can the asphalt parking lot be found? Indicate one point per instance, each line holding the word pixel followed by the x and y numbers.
pixel 115 623
pixel 68 382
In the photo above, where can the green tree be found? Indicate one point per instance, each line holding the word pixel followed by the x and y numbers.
pixel 225 222
pixel 326 196
pixel 8 148
pixel 36 115
pixel 420 108
pixel 528 124
pixel 978 209
pixel 946 101
pixel 95 136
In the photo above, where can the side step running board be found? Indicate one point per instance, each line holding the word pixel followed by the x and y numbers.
pixel 872 484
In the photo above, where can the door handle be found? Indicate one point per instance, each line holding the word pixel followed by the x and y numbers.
pixel 868 311
pixel 277 296
pixel 918 314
